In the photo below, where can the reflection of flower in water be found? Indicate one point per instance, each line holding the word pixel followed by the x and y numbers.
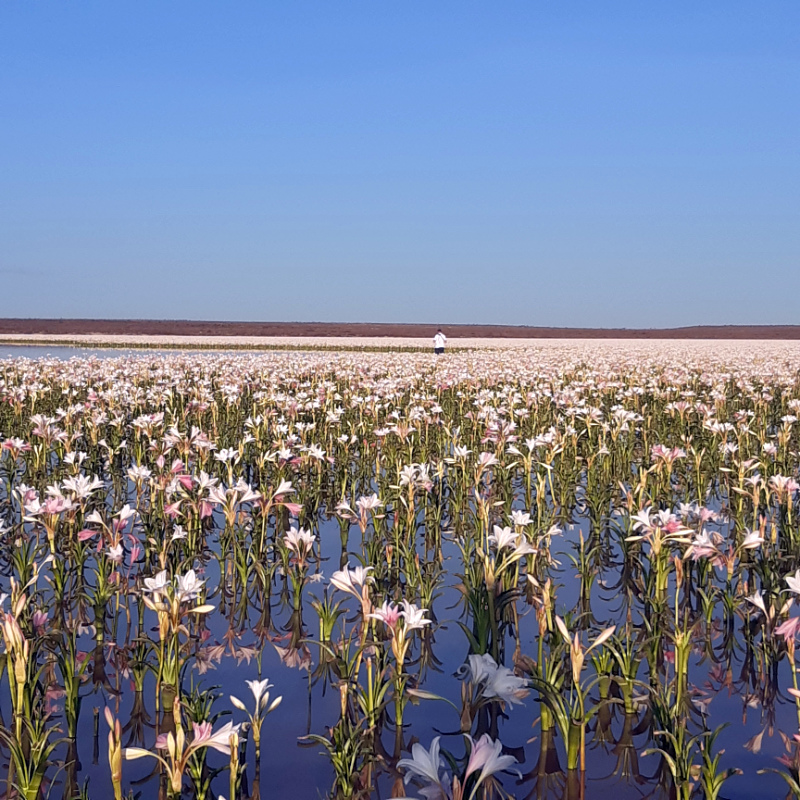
pixel 295 657
pixel 485 760
pixel 555 418
pixel 494 681
pixel 205 657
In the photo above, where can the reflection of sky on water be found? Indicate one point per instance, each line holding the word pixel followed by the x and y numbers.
pixel 63 353
pixel 292 769
pixel 60 352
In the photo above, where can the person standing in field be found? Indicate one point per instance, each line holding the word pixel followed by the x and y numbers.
pixel 439 342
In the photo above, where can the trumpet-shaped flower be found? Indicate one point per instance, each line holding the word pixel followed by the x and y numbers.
pixel 188 586
pixel 299 542
pixel 413 617
pixel 793 582
pixel 752 540
pixel 486 756
pixel 503 538
pixel 423 763
pixel 346 580
pixel 158 584
pixel 388 614
pixel 757 600
pixel 520 518
pixel 260 690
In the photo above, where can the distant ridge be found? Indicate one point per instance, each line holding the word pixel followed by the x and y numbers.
pixel 68 327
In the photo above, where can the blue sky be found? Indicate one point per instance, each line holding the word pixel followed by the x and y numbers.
pixel 552 163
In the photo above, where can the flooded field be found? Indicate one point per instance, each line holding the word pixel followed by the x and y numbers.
pixel 562 571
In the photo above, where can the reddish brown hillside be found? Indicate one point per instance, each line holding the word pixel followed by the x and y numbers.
pixel 69 327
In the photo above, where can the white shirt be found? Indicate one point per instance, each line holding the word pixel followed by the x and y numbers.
pixel 439 340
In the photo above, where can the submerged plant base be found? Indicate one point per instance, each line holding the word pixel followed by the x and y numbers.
pixel 542 572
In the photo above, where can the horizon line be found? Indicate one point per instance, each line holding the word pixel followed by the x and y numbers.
pixel 33 326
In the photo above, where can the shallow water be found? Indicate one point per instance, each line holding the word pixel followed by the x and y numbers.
pixel 58 351
pixel 64 353
pixel 293 767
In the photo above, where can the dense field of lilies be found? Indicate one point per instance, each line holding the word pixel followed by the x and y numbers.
pixel 557 572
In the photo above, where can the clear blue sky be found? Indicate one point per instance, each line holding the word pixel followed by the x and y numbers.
pixel 556 163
